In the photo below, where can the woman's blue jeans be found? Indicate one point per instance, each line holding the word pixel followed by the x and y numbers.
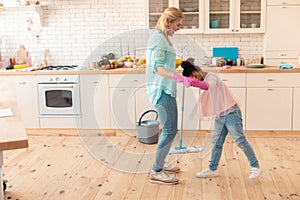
pixel 230 122
pixel 168 114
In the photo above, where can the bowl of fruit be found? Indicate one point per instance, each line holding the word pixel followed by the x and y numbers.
pixel 128 63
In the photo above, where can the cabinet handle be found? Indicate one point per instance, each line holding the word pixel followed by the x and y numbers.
pixel 269 90
pixel 270 79
pixel 95 82
pixel 22 83
pixel 283 54
pixel 224 80
pixel 122 90
pixel 135 80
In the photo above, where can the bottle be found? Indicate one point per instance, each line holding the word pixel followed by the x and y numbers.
pixel 262 60
pixel 28 61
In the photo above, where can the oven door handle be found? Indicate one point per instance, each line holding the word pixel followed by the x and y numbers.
pixel 62 87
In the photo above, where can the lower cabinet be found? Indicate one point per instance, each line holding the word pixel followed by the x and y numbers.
pixel 296 109
pixel 25 87
pixel 94 92
pixel 142 104
pixel 27 98
pixel 269 109
pixel 122 108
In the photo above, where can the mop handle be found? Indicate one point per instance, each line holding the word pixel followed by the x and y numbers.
pixel 182 110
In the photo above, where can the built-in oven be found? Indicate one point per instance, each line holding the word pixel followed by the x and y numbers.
pixel 58 95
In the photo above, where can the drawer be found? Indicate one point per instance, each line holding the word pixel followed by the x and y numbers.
pixel 127 80
pixel 282 2
pixel 273 80
pixel 234 80
pixel 281 54
pixel 279 61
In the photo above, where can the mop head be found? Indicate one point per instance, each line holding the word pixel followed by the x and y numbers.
pixel 182 150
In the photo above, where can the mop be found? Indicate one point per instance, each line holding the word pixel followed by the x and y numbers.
pixel 180 149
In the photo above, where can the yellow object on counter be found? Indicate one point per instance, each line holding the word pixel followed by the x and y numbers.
pixel 21 66
pixel 178 62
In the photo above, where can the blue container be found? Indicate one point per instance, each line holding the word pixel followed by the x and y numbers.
pixel 214 23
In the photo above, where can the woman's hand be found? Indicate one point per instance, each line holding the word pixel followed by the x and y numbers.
pixel 182 79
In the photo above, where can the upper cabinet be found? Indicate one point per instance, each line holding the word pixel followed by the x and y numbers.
pixel 193 11
pixel 235 16
pixel 213 16
pixel 282 32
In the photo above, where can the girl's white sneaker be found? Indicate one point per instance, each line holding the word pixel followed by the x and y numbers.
pixel 207 173
pixel 255 172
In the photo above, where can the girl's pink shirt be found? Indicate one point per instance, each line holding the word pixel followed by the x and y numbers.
pixel 217 98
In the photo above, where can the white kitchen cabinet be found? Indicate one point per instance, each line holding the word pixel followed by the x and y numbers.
pixel 269 101
pixel 122 107
pixel 283 2
pixel 193 10
pixel 122 99
pixel 237 85
pixel 142 104
pixel 296 109
pixel 269 108
pixel 282 33
pixel 235 16
pixel 27 98
pixel 95 111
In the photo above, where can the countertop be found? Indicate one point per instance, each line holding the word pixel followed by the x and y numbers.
pixel 267 69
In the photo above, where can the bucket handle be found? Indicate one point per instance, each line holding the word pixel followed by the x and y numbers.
pixel 147 113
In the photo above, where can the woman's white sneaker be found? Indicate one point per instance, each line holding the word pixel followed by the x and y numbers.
pixel 170 169
pixel 255 172
pixel 207 173
pixel 162 178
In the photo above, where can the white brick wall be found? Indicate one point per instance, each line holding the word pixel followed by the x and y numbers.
pixel 73 29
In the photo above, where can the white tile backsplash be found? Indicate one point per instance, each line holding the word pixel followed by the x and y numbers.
pixel 73 29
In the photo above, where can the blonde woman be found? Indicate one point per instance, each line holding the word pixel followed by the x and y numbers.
pixel 161 89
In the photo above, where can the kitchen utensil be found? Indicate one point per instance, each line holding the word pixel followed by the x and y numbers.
pixel 21 55
pixel 190 9
pixel 148 129
pixel 214 23
pixel 46 54
pixel 255 65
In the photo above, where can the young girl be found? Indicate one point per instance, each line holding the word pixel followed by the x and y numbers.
pixel 218 103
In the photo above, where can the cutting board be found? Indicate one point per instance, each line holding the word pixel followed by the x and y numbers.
pixel 226 52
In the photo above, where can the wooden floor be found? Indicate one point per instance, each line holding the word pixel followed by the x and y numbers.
pixel 61 167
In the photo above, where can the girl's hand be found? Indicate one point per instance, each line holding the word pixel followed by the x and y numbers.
pixel 196 83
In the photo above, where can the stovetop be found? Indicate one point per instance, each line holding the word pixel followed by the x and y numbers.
pixel 61 67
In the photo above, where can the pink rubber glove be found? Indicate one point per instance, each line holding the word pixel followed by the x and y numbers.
pixel 182 79
pixel 199 84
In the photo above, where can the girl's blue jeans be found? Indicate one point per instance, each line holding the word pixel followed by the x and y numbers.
pixel 230 122
pixel 168 114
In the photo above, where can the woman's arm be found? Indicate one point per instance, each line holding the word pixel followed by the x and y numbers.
pixel 160 70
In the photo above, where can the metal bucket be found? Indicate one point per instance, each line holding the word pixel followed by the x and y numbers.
pixel 148 129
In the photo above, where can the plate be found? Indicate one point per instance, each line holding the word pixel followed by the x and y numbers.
pixel 190 9
pixel 255 65
pixel 100 68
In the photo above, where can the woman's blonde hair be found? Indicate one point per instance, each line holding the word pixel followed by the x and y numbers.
pixel 169 15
